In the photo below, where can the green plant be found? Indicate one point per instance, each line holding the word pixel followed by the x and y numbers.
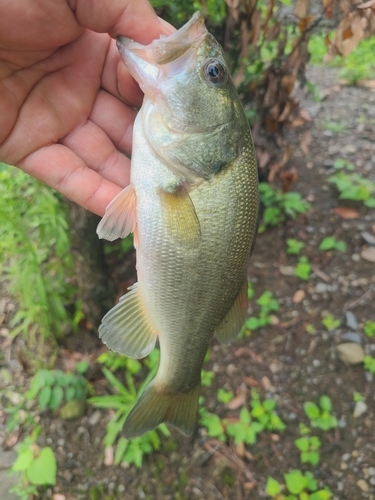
pixel 342 163
pixel 303 268
pixel 207 378
pixel 354 187
pixel 114 361
pixel 330 243
pixel 369 328
pixel 297 483
pixel 246 429
pixel 294 246
pixel 264 412
pixel 335 126
pixel 53 387
pixel 369 363
pixel 224 396
pixel 330 322
pixel 122 402
pixel 35 257
pixel 213 424
pixel 278 205
pixel 309 448
pixel 359 65
pixel 36 465
pixel 267 304
pixel 320 416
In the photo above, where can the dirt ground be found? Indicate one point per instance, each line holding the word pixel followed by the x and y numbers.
pixel 283 360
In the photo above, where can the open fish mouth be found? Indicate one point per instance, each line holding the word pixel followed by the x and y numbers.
pixel 146 62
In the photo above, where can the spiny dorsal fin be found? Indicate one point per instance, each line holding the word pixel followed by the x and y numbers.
pixel 120 217
pixel 233 322
pixel 126 328
pixel 180 216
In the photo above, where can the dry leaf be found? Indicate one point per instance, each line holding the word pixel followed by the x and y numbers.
pixel 299 296
pixel 239 400
pixel 266 382
pixel 305 142
pixel 305 115
pixel 366 5
pixel 346 213
pixel 58 496
pixel 305 23
pixel 288 178
pixel 108 455
pixel 240 449
pixel 251 381
pixel 263 157
pixel 301 8
pixel 328 8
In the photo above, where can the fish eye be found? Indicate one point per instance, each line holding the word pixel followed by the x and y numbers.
pixel 214 71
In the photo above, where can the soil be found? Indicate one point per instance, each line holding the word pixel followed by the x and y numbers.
pixel 283 360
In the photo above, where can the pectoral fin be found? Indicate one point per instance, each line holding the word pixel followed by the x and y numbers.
pixel 120 217
pixel 126 327
pixel 180 216
pixel 233 322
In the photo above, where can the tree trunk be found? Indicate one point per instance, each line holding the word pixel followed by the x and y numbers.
pixel 95 287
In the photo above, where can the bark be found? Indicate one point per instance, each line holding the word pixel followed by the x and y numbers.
pixel 95 287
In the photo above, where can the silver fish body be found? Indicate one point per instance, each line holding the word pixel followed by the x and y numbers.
pixel 193 205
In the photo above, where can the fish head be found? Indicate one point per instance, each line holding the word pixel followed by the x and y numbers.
pixel 196 122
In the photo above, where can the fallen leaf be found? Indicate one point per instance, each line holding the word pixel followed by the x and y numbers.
pixel 263 157
pixel 266 382
pixel 251 381
pixel 288 178
pixel 239 400
pixel 299 296
pixel 305 142
pixel 346 213
pixel 328 8
pixel 108 455
pixel 305 115
pixel 301 8
pixel 240 449
pixel 368 254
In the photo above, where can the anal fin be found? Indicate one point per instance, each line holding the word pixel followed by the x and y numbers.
pixel 233 322
pixel 120 217
pixel 127 329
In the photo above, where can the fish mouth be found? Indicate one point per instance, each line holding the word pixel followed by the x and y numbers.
pixel 147 62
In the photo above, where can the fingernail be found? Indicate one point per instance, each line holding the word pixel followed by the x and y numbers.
pixel 167 28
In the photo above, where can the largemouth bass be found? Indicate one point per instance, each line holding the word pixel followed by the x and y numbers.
pixel 193 207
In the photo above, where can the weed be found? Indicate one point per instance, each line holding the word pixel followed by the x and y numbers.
pixel 36 465
pixel 207 378
pixel 246 429
pixel 320 417
pixel 294 246
pixel 224 396
pixel 264 412
pixel 213 424
pixel 369 328
pixel 303 268
pixel 114 361
pixel 35 254
pixel 335 127
pixel 359 65
pixel 278 205
pixel 369 363
pixel 330 322
pixel 310 328
pixel 122 402
pixel 341 163
pixel 297 483
pixel 330 243
pixel 53 387
pixel 267 304
pixel 354 187
pixel 357 396
pixel 309 448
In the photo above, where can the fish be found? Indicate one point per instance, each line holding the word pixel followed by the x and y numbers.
pixel 192 205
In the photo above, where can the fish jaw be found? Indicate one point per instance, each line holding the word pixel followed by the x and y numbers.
pixel 149 64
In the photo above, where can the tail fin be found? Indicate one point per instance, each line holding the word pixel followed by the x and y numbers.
pixel 159 404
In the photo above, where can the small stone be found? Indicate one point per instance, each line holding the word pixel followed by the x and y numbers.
pixel 351 320
pixel 299 296
pixel 121 488
pixel 368 254
pixel 356 257
pixel 321 287
pixel 368 237
pixel 286 270
pixel 343 466
pixel 108 455
pixel 58 496
pixel 61 442
pixel 360 409
pixel 94 418
pixel 350 353
pixel 351 337
pixel 371 471
pixel 316 363
pixel 346 457
pixel 361 483
pixel 349 148
pixel 341 423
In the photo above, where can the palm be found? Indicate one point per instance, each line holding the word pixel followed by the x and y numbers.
pixel 63 114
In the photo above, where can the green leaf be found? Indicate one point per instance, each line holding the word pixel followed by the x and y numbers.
pixel 70 392
pixel 311 410
pixel 82 366
pixel 327 243
pixel 43 468
pixel 252 323
pixel 57 396
pixel 321 495
pixel 245 417
pixel 45 396
pixel 23 460
pixel 272 486
pixel 325 403
pixel 295 481
pixel 121 448
pixel 302 443
pixel 370 202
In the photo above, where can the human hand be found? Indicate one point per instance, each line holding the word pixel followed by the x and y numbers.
pixel 66 99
